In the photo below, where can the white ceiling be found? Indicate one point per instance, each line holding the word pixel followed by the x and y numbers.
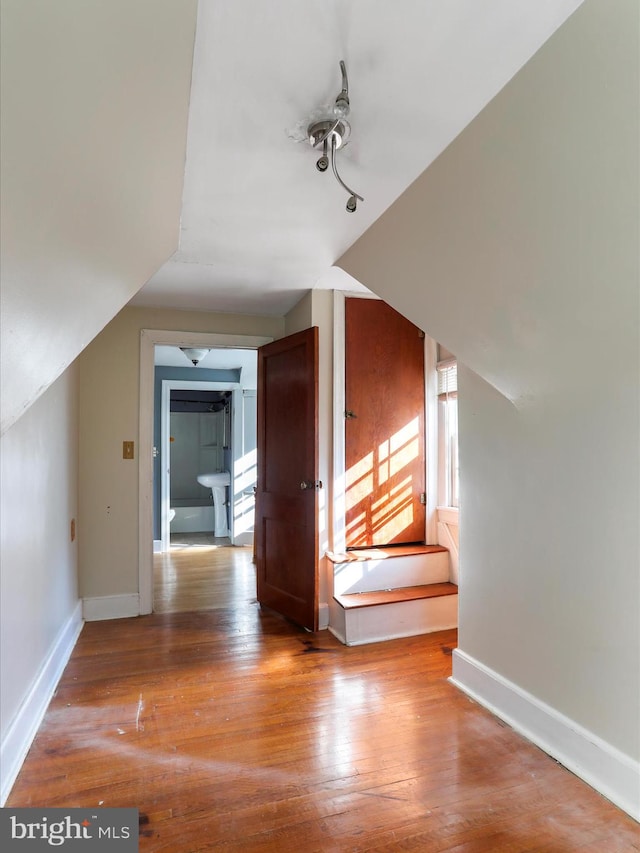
pixel 221 358
pixel 260 225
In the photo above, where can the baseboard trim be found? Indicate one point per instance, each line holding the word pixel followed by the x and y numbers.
pixel 602 766
pixel 24 726
pixel 244 540
pixel 323 616
pixel 157 546
pixel 110 607
pixel 337 634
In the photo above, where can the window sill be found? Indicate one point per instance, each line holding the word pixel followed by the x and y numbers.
pixel 448 514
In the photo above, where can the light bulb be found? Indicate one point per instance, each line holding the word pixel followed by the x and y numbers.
pixel 341 108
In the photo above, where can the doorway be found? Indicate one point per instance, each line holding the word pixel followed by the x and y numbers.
pixel 149 339
pixel 205 433
pixel 197 437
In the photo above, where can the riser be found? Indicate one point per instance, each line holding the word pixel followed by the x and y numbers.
pixel 391 621
pixel 390 573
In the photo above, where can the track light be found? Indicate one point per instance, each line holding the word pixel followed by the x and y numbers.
pixel 323 163
pixel 333 133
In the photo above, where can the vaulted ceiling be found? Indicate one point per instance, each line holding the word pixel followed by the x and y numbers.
pixel 98 99
pixel 260 224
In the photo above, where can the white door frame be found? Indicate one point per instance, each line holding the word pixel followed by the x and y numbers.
pixel 165 446
pixel 149 339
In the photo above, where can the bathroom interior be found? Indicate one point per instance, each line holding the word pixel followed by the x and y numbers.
pixel 204 447
pixel 200 462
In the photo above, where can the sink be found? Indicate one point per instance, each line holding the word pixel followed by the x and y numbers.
pixel 217 481
pixel 217 478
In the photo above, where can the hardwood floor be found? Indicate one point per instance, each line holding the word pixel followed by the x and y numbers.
pixel 232 730
pixel 202 573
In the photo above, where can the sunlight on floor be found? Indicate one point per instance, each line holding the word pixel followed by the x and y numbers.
pixel 180 541
pixel 201 572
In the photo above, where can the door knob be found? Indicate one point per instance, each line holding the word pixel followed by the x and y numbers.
pixel 311 484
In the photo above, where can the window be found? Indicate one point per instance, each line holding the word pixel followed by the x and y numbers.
pixel 447 432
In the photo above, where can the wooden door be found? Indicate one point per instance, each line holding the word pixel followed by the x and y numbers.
pixel 384 426
pixel 286 540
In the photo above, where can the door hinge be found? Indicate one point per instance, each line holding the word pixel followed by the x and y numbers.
pixel 423 497
pixel 311 484
pixel 349 414
pixel 421 334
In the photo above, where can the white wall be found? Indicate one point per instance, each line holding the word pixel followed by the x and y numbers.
pixel 193 452
pixel 94 115
pixel 316 309
pixel 518 249
pixel 109 400
pixel 39 607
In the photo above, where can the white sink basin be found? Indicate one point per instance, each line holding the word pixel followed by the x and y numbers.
pixel 217 478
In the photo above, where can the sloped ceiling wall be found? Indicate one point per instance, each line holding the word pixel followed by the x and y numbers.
pixel 95 101
pixel 505 248
pixel 518 249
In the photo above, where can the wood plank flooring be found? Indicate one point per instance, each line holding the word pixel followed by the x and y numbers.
pixel 354 600
pixel 232 730
pixel 202 573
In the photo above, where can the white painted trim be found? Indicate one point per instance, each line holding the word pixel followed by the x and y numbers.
pixel 382 622
pixel 339 448
pixel 431 438
pixel 100 607
pixel 336 633
pixel 447 541
pixel 165 463
pixel 354 576
pixel 615 775
pixel 149 339
pixel 157 546
pixel 145 472
pixel 449 515
pixel 323 615
pixel 24 726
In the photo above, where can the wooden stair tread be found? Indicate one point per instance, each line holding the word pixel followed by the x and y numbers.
pixel 391 596
pixel 360 554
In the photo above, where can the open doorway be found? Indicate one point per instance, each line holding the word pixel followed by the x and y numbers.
pixel 204 472
pixel 197 445
pixel 225 349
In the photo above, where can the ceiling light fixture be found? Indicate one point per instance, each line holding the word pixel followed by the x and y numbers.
pixel 195 355
pixel 332 133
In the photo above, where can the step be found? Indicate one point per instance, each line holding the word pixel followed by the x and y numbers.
pixel 370 569
pixel 390 596
pixel 376 616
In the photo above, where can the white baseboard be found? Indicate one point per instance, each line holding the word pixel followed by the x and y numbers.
pixel 323 616
pixel 157 546
pixel 110 607
pixel 612 773
pixel 24 726
pixel 336 633
pixel 244 540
